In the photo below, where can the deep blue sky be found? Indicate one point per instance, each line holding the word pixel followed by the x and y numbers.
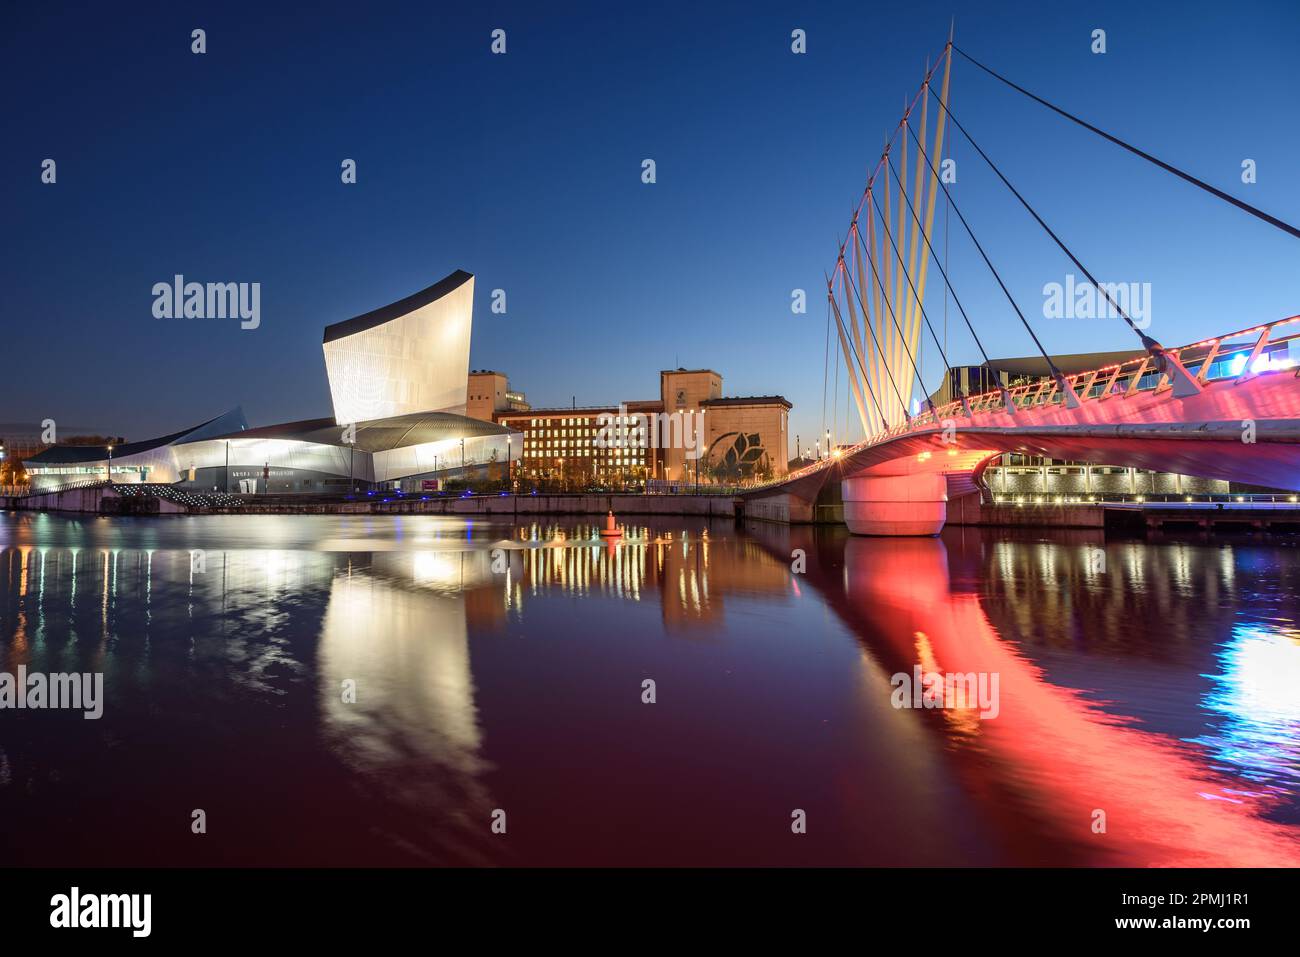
pixel 525 170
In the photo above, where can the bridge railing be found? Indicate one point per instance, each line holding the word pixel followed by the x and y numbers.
pixel 1237 356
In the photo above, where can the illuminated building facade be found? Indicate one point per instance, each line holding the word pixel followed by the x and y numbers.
pixel 408 357
pixel 152 460
pixel 691 433
pixel 408 412
pixel 398 379
pixel 566 446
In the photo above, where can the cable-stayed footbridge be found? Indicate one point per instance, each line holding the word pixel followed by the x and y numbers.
pixel 1226 407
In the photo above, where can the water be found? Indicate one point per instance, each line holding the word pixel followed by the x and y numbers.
pixel 1162 691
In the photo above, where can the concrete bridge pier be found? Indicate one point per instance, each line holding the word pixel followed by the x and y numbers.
pixel 896 505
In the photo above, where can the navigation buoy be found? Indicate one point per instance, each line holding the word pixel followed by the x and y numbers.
pixel 611 530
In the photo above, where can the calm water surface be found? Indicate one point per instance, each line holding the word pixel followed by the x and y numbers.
pixel 1162 690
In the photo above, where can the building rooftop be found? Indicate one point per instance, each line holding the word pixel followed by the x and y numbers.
pixel 560 410
pixel 750 400
pixel 377 317
pixel 75 454
pixel 1068 364
pixel 378 435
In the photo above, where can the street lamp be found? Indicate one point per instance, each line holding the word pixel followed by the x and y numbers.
pixel 110 465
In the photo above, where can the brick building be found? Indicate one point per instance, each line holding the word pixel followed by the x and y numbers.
pixel 690 433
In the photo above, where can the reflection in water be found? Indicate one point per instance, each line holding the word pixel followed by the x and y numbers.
pixel 1256 695
pixel 500 666
pixel 1059 757
pixel 395 631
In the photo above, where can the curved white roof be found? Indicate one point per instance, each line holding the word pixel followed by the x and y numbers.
pixel 407 357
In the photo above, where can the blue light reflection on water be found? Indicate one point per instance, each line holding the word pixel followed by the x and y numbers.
pixel 1254 704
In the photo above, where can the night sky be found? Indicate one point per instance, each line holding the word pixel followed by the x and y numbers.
pixel 525 169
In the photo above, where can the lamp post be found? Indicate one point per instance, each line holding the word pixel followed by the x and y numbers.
pixel 109 470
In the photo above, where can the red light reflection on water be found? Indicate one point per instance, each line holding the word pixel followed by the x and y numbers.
pixel 1058 755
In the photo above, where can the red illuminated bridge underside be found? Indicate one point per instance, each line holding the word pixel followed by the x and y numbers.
pixel 1244 427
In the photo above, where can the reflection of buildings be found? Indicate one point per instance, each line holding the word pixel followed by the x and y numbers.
pixel 741 437
pixel 684 570
pixel 255 649
pixel 697 574
pixel 398 380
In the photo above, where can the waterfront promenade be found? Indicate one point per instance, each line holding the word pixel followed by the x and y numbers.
pixel 1234 515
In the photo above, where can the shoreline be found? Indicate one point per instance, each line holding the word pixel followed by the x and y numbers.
pixel 965 511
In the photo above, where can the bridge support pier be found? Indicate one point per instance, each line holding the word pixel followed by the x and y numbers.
pixel 897 505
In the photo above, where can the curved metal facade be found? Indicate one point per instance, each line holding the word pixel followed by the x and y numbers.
pixel 318 454
pixel 411 356
pixel 398 380
pixel 152 460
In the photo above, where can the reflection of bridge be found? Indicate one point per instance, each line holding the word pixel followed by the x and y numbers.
pixel 1226 407
pixel 1053 755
